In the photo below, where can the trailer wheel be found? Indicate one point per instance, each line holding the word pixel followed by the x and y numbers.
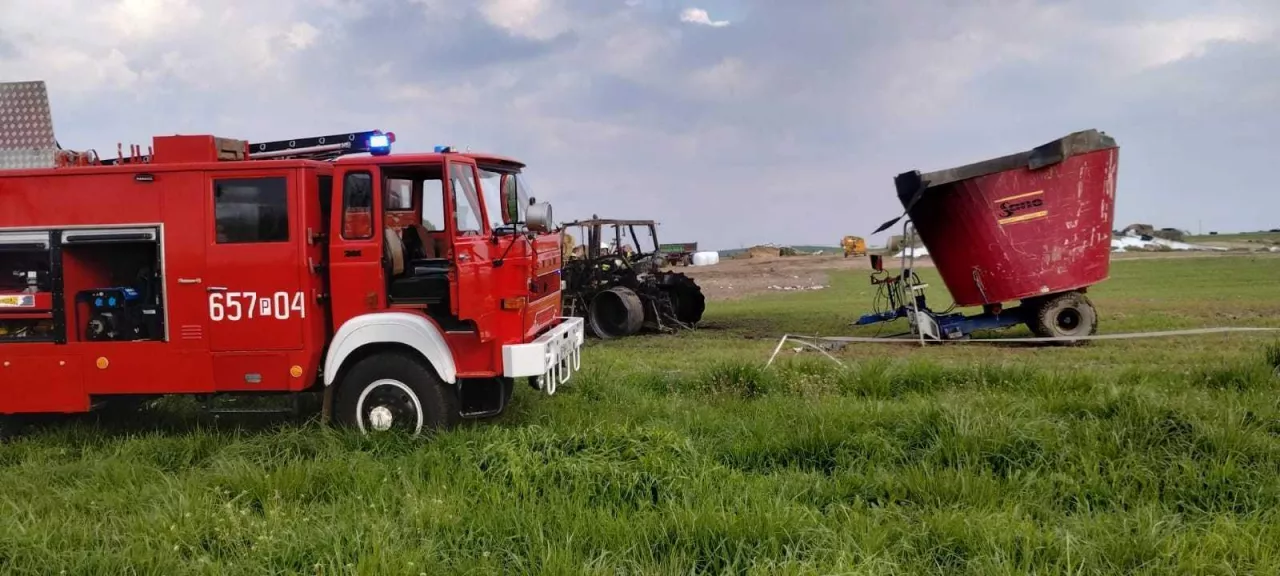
pixel 615 312
pixel 394 392
pixel 1066 315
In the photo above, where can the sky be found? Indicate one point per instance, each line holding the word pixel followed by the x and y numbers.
pixel 731 122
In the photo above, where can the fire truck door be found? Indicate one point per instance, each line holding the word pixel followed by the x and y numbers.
pixel 473 257
pixel 253 262
pixel 357 280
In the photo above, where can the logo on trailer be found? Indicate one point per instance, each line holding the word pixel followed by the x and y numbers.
pixel 18 301
pixel 1020 208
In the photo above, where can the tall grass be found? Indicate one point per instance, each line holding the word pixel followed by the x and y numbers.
pixel 883 466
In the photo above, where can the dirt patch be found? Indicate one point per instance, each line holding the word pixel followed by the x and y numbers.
pixel 763 252
pixel 735 278
pixel 741 277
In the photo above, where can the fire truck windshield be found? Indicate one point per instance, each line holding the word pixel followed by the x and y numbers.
pixel 501 198
pixel 491 184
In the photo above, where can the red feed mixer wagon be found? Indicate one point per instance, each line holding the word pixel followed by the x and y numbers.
pixel 1033 227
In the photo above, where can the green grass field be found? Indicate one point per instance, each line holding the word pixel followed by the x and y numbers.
pixel 1252 237
pixel 680 454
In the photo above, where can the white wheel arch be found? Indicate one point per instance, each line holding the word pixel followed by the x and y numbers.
pixel 390 327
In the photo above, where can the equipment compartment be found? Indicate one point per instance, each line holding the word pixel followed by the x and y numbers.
pixel 28 280
pixel 112 279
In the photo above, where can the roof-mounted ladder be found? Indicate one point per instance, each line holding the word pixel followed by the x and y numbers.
pixel 324 147
pixel 320 148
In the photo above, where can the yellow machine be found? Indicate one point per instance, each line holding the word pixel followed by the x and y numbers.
pixel 854 246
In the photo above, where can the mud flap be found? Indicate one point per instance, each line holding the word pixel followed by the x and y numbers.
pixel 326 406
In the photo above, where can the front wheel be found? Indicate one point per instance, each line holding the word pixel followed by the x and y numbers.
pixel 395 392
pixel 615 313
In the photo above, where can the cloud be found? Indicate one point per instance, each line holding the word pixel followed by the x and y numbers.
pixel 301 35
pixel 700 17
pixel 140 45
pixel 533 19
pixel 728 79
pixel 1154 44
pixel 785 126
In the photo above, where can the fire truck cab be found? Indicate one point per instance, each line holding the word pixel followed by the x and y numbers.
pixel 411 289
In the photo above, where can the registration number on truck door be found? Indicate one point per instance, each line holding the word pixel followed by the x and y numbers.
pixel 236 306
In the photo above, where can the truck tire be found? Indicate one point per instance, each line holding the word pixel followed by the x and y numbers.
pixel 123 405
pixel 686 298
pixel 1070 314
pixel 615 312
pixel 10 427
pixel 394 391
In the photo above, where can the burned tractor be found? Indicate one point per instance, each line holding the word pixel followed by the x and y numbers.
pixel 617 284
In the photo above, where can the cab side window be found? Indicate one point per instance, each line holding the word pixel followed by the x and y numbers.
pixel 433 202
pixel 251 210
pixel 399 195
pixel 357 206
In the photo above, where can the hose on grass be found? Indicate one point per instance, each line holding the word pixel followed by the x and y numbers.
pixel 809 340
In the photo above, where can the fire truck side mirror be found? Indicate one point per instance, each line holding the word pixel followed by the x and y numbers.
pixel 538 217
pixel 877 263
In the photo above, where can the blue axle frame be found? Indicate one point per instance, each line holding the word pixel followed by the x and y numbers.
pixel 905 293
pixel 954 326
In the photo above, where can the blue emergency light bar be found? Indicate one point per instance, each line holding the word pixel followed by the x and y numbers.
pixel 380 144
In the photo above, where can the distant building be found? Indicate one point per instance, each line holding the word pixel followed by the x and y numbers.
pixel 1149 231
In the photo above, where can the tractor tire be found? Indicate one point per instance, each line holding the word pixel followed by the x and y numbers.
pixel 394 391
pixel 686 298
pixel 615 313
pixel 1066 315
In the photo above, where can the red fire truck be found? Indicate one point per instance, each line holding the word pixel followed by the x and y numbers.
pixel 411 289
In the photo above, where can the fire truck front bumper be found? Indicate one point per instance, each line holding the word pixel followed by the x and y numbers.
pixel 551 359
